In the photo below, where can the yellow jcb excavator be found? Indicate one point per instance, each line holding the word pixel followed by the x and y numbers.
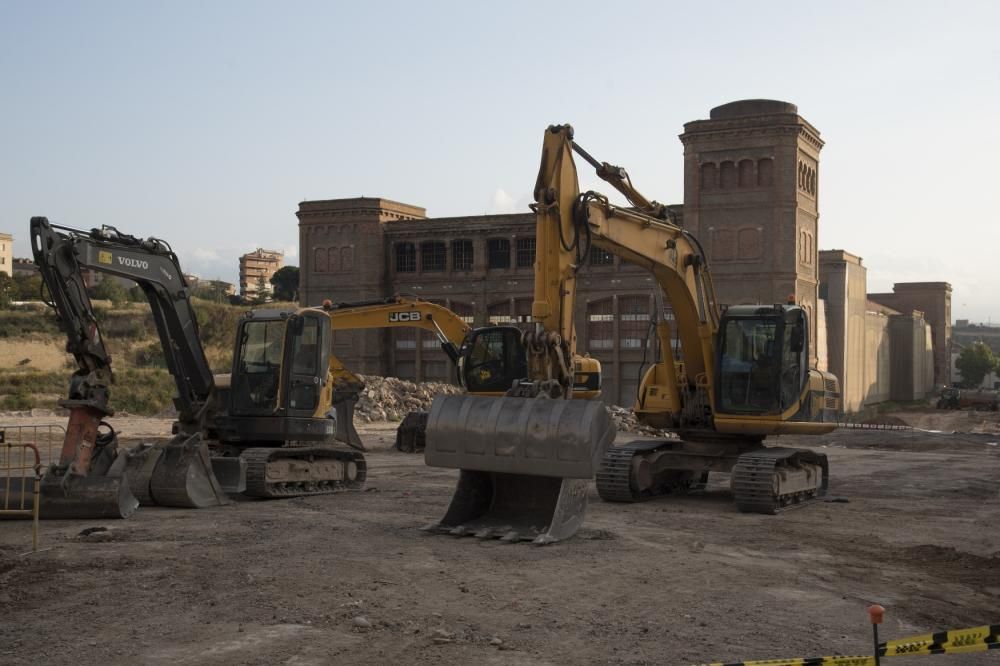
pixel 743 374
pixel 451 331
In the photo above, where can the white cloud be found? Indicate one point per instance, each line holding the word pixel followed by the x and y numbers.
pixel 502 203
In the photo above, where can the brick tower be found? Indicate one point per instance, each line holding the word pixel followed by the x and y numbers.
pixel 343 258
pixel 751 177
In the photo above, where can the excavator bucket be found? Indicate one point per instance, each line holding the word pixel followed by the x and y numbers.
pixel 90 480
pixel 104 493
pixel 525 464
pixel 346 432
pixel 411 435
pixel 177 473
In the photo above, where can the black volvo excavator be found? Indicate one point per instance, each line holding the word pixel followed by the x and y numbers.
pixel 265 433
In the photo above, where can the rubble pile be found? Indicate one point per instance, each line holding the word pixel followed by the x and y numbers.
pixel 625 421
pixel 390 399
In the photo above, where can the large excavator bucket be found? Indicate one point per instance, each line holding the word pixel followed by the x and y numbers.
pixel 526 464
pixel 177 473
pixel 90 480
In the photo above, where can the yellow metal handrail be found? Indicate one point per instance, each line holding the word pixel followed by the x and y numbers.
pixel 22 468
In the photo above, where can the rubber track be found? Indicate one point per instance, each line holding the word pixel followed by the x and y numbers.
pixel 752 479
pixel 257 459
pixel 614 476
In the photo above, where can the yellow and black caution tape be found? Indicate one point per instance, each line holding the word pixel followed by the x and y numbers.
pixel 956 641
pixel 974 639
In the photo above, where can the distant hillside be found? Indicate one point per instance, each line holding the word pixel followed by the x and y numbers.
pixel 36 368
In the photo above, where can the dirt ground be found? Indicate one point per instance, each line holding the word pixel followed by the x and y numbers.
pixel 675 581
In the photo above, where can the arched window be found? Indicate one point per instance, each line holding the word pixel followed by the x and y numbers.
pixel 319 260
pixel 465 311
pixel 433 256
pixel 727 175
pixel 522 312
pixel 499 313
pixel 347 258
pixel 461 255
pixel 765 172
pixel 634 321
pixel 524 252
pixel 709 176
pixel 406 338
pixel 746 173
pixel 333 260
pixel 600 324
pixel 406 258
pixel 600 257
pixel 498 253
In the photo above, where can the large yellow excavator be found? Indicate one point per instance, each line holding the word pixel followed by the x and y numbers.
pixel 743 374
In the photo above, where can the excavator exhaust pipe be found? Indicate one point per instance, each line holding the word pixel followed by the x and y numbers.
pixel 525 464
pixel 178 473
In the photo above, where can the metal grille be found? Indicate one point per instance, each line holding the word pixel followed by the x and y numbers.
pixel 525 252
pixel 634 318
pixel 498 253
pixel 599 257
pixel 600 324
pixel 406 258
pixel 433 256
pixel 461 255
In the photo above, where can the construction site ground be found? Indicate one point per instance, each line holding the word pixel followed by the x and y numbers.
pixel 350 578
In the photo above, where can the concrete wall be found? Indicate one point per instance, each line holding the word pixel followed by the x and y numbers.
pixel 934 300
pixel 912 353
pixel 877 358
pixel 844 281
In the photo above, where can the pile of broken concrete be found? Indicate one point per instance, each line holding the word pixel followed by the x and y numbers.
pixel 390 399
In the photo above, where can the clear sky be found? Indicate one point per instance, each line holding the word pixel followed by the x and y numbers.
pixel 205 123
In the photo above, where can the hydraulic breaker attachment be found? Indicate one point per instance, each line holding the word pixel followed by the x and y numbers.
pixel 411 435
pixel 526 464
pixel 176 473
pixel 90 480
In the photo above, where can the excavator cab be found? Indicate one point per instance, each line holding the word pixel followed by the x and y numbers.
pixel 491 359
pixel 763 359
pixel 279 378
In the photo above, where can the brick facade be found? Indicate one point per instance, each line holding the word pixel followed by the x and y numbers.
pixel 751 196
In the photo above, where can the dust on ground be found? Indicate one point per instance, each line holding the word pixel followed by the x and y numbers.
pixel 349 578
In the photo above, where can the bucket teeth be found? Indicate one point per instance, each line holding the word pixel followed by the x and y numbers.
pixel 510 537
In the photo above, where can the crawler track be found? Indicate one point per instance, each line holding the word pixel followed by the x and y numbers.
pixel 258 458
pixel 753 480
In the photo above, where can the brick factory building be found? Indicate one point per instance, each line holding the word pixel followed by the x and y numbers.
pixel 751 195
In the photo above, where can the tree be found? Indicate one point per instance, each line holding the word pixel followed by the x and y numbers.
pixel 109 289
pixel 975 362
pixel 286 283
pixel 6 290
pixel 27 287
